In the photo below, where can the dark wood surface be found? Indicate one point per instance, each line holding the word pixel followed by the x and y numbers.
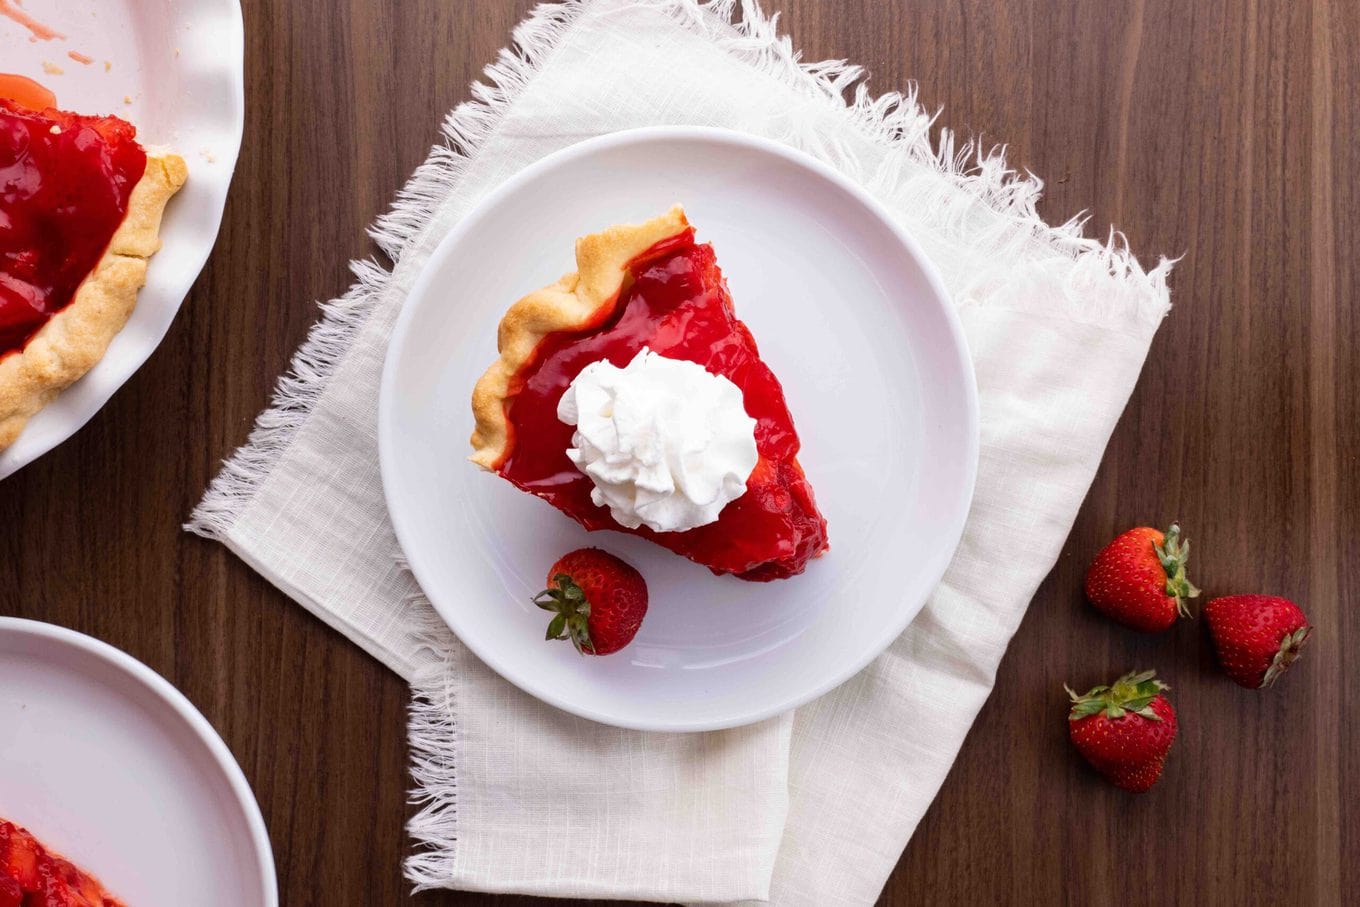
pixel 1220 131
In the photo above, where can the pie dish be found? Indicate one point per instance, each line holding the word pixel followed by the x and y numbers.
pixel 647 286
pixel 81 204
pixel 32 874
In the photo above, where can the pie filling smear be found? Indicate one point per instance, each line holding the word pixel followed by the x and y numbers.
pixel 673 301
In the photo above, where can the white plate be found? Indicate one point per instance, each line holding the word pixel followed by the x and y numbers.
pixel 113 768
pixel 180 64
pixel 854 322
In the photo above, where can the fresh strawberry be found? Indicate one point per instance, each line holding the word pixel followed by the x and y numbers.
pixel 1125 729
pixel 1139 579
pixel 1257 636
pixel 599 601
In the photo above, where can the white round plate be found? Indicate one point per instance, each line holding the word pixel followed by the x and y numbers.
pixel 180 65
pixel 853 320
pixel 109 765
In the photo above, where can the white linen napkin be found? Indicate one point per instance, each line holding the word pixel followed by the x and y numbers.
pixel 811 808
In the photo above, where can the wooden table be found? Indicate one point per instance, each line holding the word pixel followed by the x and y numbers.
pixel 1224 132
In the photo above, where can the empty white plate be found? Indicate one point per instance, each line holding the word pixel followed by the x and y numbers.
pixel 175 72
pixel 110 766
pixel 853 320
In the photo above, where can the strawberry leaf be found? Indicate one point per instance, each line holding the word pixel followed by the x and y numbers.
pixel 1134 692
pixel 571 618
pixel 1173 554
pixel 1290 646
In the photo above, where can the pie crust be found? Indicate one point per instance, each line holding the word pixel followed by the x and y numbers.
pixel 574 303
pixel 76 338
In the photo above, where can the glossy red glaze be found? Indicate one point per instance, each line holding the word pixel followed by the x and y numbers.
pixel 65 181
pixel 678 305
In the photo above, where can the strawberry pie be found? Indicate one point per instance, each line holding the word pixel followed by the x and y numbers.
pixel 80 215
pixel 630 396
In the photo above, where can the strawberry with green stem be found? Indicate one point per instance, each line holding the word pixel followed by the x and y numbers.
pixel 1124 729
pixel 1257 637
pixel 1139 579
pixel 597 600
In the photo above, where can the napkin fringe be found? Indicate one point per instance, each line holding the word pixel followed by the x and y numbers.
pixel 295 394
pixel 467 126
pixel 991 188
pixel 435 746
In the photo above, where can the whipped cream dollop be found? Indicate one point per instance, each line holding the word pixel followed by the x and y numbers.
pixel 667 443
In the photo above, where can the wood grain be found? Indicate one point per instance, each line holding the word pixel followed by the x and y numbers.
pixel 1221 131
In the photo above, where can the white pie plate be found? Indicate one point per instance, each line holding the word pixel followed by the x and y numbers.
pixel 854 321
pixel 180 65
pixel 110 766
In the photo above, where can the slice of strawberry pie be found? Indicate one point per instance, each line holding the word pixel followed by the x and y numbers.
pixel 630 396
pixel 80 215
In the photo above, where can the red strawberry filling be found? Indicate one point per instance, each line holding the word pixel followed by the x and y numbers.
pixel 65 181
